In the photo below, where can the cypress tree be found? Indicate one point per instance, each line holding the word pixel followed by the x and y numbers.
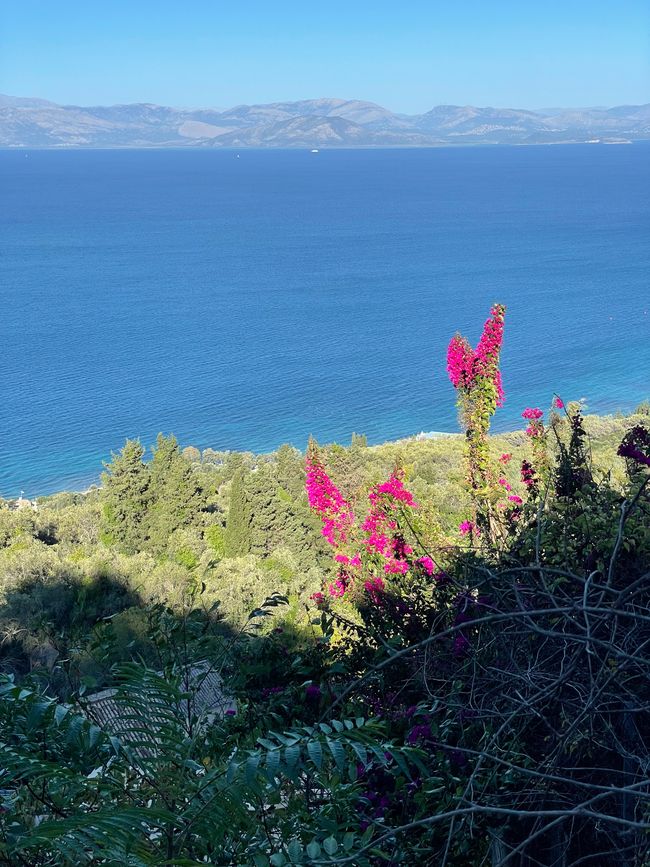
pixel 126 495
pixel 238 523
pixel 177 496
pixel 290 470
pixel 269 506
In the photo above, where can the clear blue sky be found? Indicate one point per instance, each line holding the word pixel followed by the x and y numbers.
pixel 407 55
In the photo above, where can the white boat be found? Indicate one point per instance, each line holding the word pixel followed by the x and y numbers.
pixel 314 150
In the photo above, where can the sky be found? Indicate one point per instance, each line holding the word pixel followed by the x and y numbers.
pixel 407 56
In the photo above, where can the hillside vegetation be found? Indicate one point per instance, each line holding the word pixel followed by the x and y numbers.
pixel 237 522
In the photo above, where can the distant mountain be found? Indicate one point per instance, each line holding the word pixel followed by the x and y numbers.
pixel 306 124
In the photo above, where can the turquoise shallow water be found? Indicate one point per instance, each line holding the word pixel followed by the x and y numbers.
pixel 243 302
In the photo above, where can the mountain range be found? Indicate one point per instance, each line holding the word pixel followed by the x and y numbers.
pixel 311 123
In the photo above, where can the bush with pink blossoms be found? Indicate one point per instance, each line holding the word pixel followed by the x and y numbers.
pixel 327 502
pixel 537 434
pixel 476 376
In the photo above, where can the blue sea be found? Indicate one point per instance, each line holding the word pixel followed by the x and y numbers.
pixel 243 300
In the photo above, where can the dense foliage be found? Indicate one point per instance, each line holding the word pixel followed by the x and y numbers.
pixel 437 649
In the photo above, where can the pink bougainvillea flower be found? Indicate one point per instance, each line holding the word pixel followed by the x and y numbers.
pixel 427 564
pixel 327 501
pixel 467 527
pixel 558 403
pixel 486 363
pixel 505 458
pixel 527 474
pixel 498 384
pixel 380 525
pixel 396 567
pixel 394 488
pixel 374 588
pixel 376 542
pixel 636 446
pixel 532 413
pixel 338 587
pixel 460 362
pixel 318 598
pixel 515 499
pixel 465 366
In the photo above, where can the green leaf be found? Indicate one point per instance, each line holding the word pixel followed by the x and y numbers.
pixel 273 763
pixel 398 758
pixel 267 744
pixel 294 850
pixel 59 713
pixel 337 752
pixel 252 765
pixel 361 752
pixel 315 751
pixel 291 756
pixel 330 846
pixel 313 849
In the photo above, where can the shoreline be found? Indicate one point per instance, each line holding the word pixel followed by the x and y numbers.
pixel 96 485
pixel 423 436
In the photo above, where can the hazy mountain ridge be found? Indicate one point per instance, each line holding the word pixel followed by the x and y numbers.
pixel 26 122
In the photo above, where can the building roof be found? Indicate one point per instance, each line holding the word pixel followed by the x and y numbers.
pixel 204 700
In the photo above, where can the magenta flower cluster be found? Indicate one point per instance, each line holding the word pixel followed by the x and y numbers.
pixel 528 476
pixel 636 446
pixel 465 366
pixel 338 587
pixel 394 488
pixel 374 587
pixel 327 501
pixel 380 525
pixel 535 427
pixel 460 362
pixel 382 537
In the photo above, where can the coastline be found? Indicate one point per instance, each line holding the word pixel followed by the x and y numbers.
pixel 87 486
pixel 597 425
